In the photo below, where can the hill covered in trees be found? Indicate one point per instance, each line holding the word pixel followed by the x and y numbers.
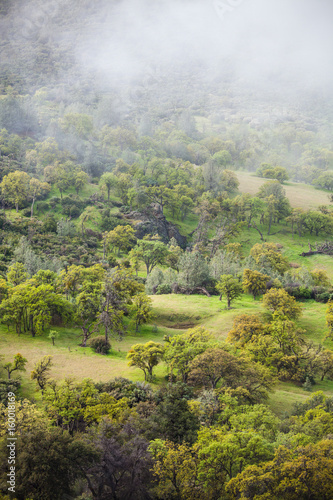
pixel 166 299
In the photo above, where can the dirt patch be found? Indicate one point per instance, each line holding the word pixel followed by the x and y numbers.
pixel 182 326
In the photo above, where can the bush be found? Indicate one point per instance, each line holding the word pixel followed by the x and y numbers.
pixel 100 345
pixel 7 386
pixel 163 289
pixel 300 292
pixel 43 206
pixel 112 261
pixel 324 297
pixel 74 212
pixel 124 209
pixel 53 201
pixel 26 212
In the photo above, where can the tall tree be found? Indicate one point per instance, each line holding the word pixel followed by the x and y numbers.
pixel 15 188
pixel 230 287
pixel 151 252
pixel 146 357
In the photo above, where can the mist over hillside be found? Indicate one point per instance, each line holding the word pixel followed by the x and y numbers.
pixel 279 46
pixel 240 68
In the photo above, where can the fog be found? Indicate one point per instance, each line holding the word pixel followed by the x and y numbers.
pixel 281 44
pixel 261 41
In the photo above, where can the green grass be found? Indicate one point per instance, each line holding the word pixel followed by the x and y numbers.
pixel 173 315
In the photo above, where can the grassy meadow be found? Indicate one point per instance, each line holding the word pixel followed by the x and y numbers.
pixel 173 315
pixel 300 195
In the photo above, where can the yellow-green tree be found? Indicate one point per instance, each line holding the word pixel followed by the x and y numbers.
pixel 141 309
pixel 293 474
pixel 230 287
pixel 36 189
pixel 269 252
pixel 146 357
pixel 15 188
pixel 279 301
pixel 121 237
pixel 17 365
pixel 255 282
pixel 320 277
pixel 245 327
pixel 17 273
pixel 41 370
pixel 176 471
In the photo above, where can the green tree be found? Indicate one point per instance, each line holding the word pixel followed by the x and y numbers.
pixel 146 357
pixel 329 317
pixel 121 237
pixel 41 370
pixel 151 252
pixel 173 418
pixel 181 349
pixel 223 455
pixel 17 365
pixel 230 181
pixel 15 188
pixel 159 194
pixel 36 189
pixel 88 305
pixel 141 309
pixel 193 270
pixel 17 273
pixel 279 301
pixel 108 181
pixel 255 282
pixel 62 180
pixel 230 287
pixel 48 463
pixel 89 214
pixel 81 178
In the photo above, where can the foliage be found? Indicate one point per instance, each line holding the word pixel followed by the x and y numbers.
pixel 283 477
pixel 145 357
pixel 254 282
pixel 150 252
pixel 141 309
pixel 100 345
pixel 17 365
pixel 230 287
pixel 41 370
pixel 181 349
pixel 280 302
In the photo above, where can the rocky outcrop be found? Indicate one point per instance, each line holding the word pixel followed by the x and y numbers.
pixel 154 222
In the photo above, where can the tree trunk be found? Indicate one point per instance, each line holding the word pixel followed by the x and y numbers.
pixel 270 225
pixel 16 206
pixel 32 207
pixel 32 328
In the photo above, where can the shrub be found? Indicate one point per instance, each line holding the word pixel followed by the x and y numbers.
pixel 124 209
pixel 324 297
pixel 100 345
pixel 163 289
pixel 74 212
pixel 43 206
pixel 26 212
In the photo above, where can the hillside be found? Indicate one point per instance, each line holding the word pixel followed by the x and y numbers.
pixel 166 253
